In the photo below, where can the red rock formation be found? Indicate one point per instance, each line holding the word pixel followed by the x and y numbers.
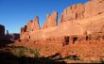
pixel 51 20
pixel 80 24
pixel 33 25
pixel 80 11
pixel 73 13
pixel 83 19
pixel 36 25
pixel 23 29
pixel 94 7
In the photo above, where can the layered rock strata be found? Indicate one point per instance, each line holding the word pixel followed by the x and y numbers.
pixel 80 26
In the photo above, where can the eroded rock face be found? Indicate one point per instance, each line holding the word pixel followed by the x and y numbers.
pixel 23 29
pixel 51 20
pixel 78 19
pixel 81 11
pixel 72 13
pixel 33 25
pixel 36 25
pixel 77 23
pixel 94 7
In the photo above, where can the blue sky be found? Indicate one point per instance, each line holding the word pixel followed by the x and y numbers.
pixel 14 14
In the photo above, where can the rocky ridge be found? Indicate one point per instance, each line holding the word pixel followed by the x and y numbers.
pixel 81 27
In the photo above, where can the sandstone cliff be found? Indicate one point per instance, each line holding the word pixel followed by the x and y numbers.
pixel 73 13
pixel 76 20
pixel 51 20
pixel 80 11
pixel 79 32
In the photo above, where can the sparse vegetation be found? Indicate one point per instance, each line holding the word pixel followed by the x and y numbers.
pixel 35 52
pixel 22 51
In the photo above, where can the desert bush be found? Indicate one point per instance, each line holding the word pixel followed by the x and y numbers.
pixel 35 52
pixel 19 51
pixel 23 51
